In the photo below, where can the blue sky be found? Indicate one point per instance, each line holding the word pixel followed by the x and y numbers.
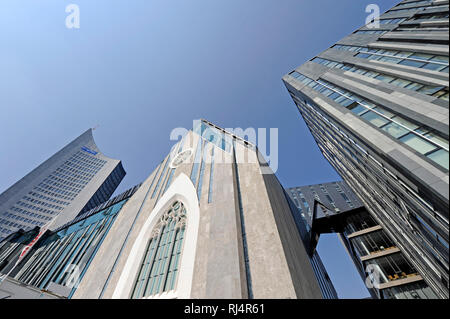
pixel 139 68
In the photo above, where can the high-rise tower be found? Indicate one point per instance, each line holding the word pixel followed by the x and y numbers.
pixel 376 103
pixel 74 180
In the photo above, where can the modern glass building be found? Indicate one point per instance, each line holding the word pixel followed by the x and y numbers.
pixel 334 208
pixel 72 181
pixel 376 103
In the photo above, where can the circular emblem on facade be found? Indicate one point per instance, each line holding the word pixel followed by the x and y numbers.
pixel 181 158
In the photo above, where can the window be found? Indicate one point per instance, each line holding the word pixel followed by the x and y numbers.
pixel 416 64
pixel 418 143
pixel 159 267
pixel 395 130
pixel 374 118
pixel 357 109
pixel 440 157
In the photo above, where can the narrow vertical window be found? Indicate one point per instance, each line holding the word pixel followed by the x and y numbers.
pixel 197 159
pixel 202 172
pixel 211 176
pixel 161 177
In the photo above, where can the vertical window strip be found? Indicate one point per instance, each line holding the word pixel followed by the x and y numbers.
pixel 198 153
pixel 161 177
pixel 202 171
pixel 244 235
pixel 211 176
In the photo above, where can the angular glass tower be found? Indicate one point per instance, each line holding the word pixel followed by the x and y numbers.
pixel 334 208
pixel 72 181
pixel 377 105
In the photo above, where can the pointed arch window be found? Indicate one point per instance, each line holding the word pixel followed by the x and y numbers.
pixel 159 268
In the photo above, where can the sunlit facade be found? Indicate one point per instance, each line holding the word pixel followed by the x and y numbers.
pixel 376 103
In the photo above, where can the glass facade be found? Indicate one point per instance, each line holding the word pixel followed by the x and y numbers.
pixel 72 247
pixel 440 92
pixel 405 130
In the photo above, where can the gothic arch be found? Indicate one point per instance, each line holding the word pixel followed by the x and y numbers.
pixel 182 190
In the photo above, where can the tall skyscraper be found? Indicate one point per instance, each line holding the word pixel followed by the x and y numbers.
pixel 72 181
pixel 206 223
pixel 334 208
pixel 376 103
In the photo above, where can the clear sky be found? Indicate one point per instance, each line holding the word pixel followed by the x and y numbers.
pixel 139 68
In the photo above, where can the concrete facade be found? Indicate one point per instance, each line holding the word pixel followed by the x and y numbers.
pixel 246 242
pixel 369 101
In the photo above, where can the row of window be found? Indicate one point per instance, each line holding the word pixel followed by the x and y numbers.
pixel 50 199
pixel 419 29
pixel 44 204
pixel 84 163
pixel 431 16
pixel 416 9
pixel 35 208
pixel 371 31
pixel 88 159
pixel 371 243
pixel 53 180
pixel 72 246
pixel 440 92
pixel 27 220
pixel 82 159
pixel 344 196
pixel 368 167
pixel 328 197
pixel 411 3
pixel 17 226
pixel 392 21
pixel 419 60
pixel 69 171
pixel 63 194
pixel 57 187
pixel 419 138
pixel 71 177
pixel 415 290
pixel 82 167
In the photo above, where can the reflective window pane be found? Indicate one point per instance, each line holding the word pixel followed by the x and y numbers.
pixel 440 157
pixel 418 143
pixel 416 64
pixel 406 123
pixel 395 130
pixel 357 109
pixel 437 139
pixel 375 119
